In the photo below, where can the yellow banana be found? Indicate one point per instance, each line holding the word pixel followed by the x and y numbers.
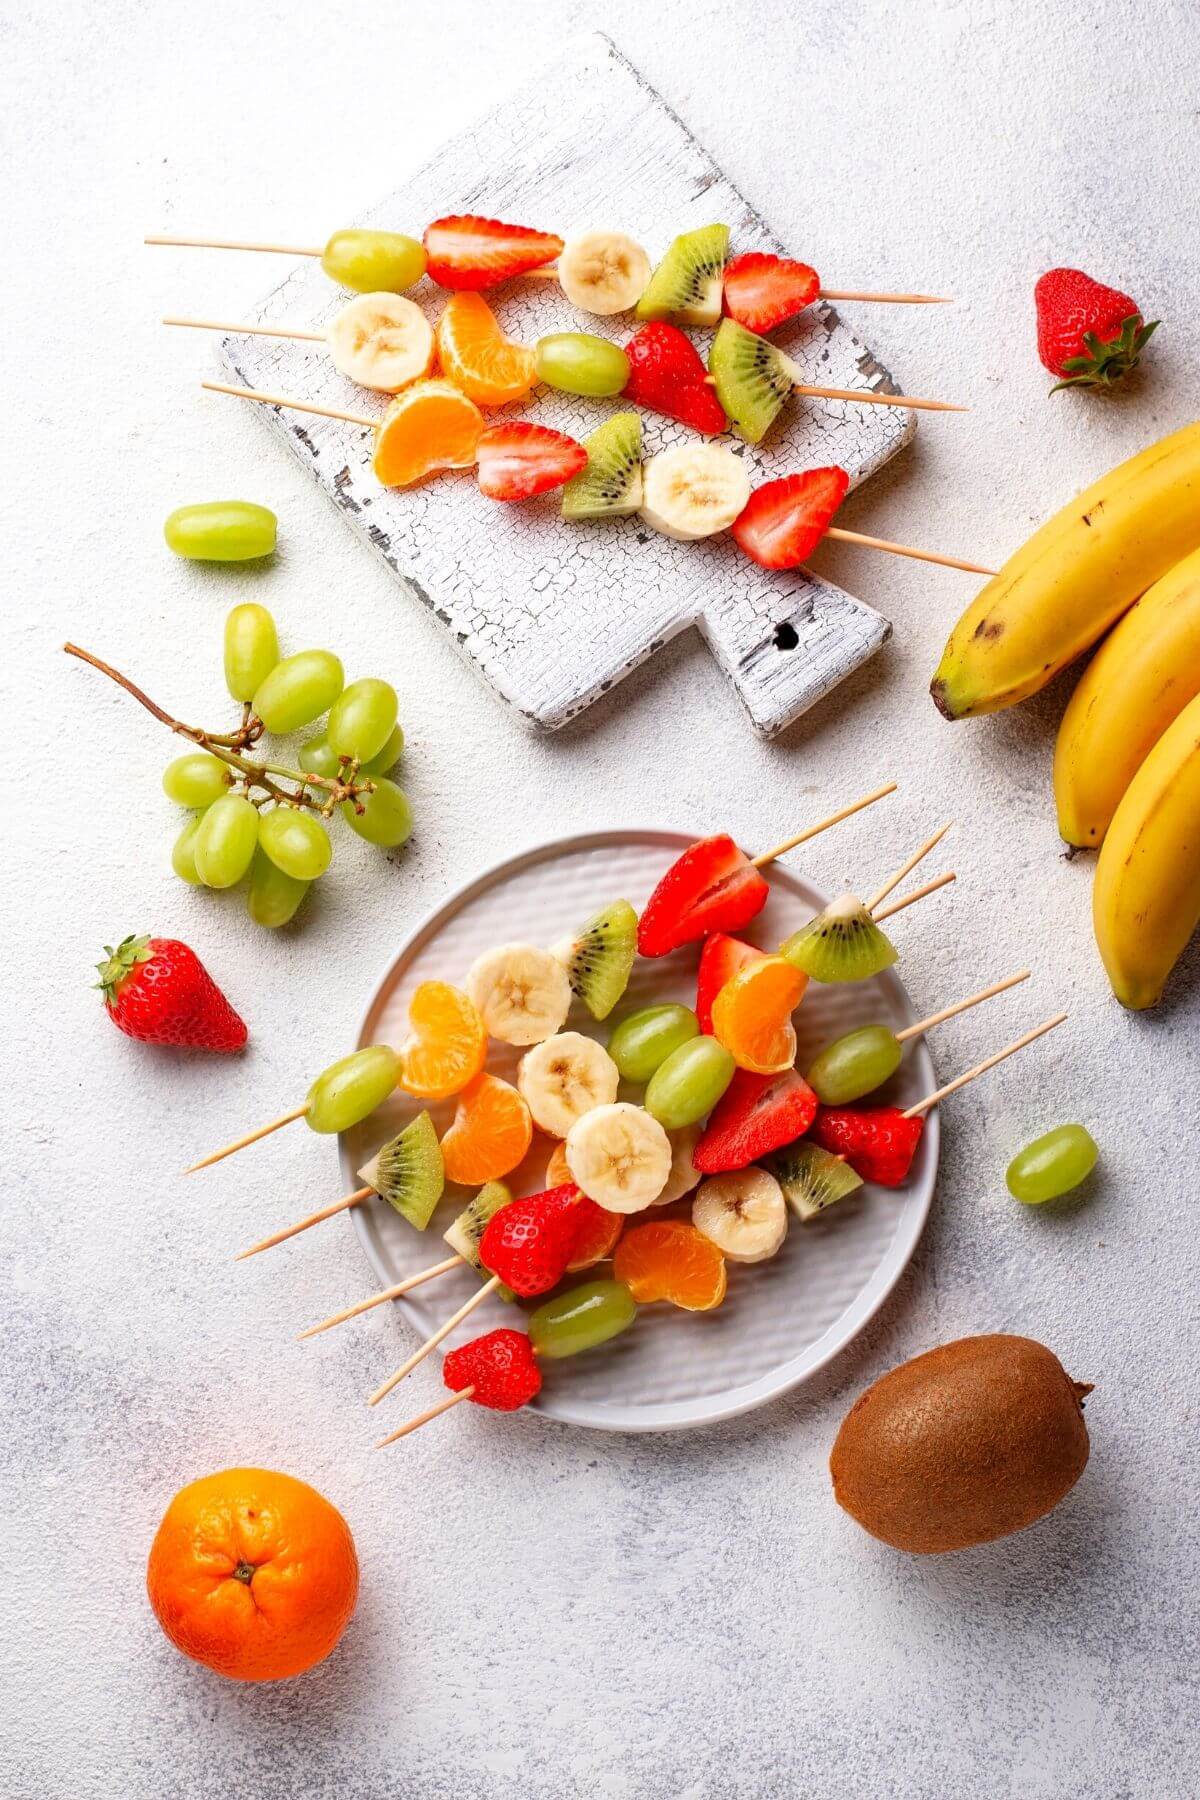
pixel 1146 898
pixel 1079 572
pixel 1142 677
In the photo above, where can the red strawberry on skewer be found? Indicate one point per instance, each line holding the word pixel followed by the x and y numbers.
pixel 158 991
pixel 720 960
pixel 518 460
pixel 529 1242
pixel 667 375
pixel 755 1115
pixel 467 251
pixel 713 886
pixel 761 291
pixel 878 1142
pixel 1088 334
pixel 500 1367
pixel 783 521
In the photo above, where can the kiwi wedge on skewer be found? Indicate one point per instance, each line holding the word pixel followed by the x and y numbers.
pixel 611 483
pixel 687 285
pixel 812 1178
pixel 599 958
pixel 408 1172
pixel 752 377
pixel 843 943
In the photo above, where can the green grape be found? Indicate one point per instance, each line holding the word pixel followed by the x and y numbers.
pixel 689 1083
pixel 855 1064
pixel 374 262
pixel 348 1090
pixel 273 897
pixel 581 363
pixel 645 1039
pixel 221 531
pixel 225 840
pixel 298 690
pixel 581 1318
pixel 196 779
pixel 295 842
pixel 361 718
pixel 386 759
pixel 386 818
pixel 1052 1164
pixel 317 758
pixel 183 855
pixel 251 649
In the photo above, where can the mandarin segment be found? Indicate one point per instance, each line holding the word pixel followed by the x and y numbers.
pixel 670 1260
pixel 473 351
pixel 429 426
pixel 490 1133
pixel 597 1236
pixel 752 1014
pixel 448 1046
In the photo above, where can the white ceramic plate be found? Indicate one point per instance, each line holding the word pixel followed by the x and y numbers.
pixel 781 1320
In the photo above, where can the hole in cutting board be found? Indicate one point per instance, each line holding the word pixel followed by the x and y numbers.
pixel 785 637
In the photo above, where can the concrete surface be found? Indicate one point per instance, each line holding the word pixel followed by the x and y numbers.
pixel 547 1613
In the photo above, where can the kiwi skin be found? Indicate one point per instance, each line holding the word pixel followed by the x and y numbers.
pixel 964 1444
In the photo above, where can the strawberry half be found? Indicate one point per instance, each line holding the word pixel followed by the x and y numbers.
pixel 755 1115
pixel 500 1366
pixel 783 521
pixel 518 460
pixel 720 960
pixel 878 1142
pixel 761 291
pixel 529 1242
pixel 467 251
pixel 1089 334
pixel 712 887
pixel 667 374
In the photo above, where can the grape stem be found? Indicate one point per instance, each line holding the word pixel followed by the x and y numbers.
pixel 230 748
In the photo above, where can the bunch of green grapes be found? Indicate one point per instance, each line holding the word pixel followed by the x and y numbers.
pixel 257 817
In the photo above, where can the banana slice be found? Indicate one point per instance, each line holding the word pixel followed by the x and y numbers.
pixel 744 1215
pixel 684 1173
pixel 521 993
pixel 381 341
pixel 694 490
pixel 603 272
pixel 619 1156
pixel 563 1078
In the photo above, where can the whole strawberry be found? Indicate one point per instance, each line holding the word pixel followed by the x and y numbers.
pixel 878 1142
pixel 1088 334
pixel 528 1243
pixel 500 1366
pixel 158 991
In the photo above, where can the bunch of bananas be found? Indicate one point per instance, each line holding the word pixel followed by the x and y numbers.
pixel 1125 555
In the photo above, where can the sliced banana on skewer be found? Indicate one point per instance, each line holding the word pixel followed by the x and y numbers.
pixel 619 1156
pixel 694 490
pixel 381 341
pixel 563 1078
pixel 520 992
pixel 684 1174
pixel 744 1215
pixel 603 272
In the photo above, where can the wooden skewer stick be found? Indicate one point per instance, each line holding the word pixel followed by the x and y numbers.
pixel 549 272
pixel 431 1343
pixel 197 243
pixel 431 1412
pixel 392 1293
pixel 931 887
pixel 278 331
pixel 952 1087
pixel 326 1212
pixel 251 1137
pixel 802 837
pixel 308 406
pixel 952 1012
pixel 893 881
pixel 893 549
pixel 862 396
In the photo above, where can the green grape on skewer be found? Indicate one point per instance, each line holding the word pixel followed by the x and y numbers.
pixel 342 1095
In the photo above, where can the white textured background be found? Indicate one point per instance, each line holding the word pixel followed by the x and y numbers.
pixel 548 1613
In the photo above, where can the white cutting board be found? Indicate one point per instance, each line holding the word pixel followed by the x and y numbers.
pixel 553 614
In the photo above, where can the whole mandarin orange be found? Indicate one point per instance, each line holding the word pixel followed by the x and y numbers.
pixel 253 1573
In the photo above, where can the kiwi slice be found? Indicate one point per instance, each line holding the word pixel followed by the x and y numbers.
pixel 408 1171
pixel 611 483
pixel 599 958
pixel 467 1231
pixel 843 943
pixel 687 284
pixel 812 1178
pixel 753 378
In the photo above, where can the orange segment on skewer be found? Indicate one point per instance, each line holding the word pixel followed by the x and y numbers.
pixel 474 352
pixel 597 1238
pixel 448 1047
pixel 429 426
pixel 670 1260
pixel 558 1169
pixel 490 1133
pixel 752 1014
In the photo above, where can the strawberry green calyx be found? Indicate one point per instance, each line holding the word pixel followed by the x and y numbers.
pixel 120 963
pixel 1106 363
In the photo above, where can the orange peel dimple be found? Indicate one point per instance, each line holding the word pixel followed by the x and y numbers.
pixel 448 1046
pixel 429 426
pixel 752 1015
pixel 489 1135
pixel 668 1259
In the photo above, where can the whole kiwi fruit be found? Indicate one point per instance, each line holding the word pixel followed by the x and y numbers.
pixel 967 1443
